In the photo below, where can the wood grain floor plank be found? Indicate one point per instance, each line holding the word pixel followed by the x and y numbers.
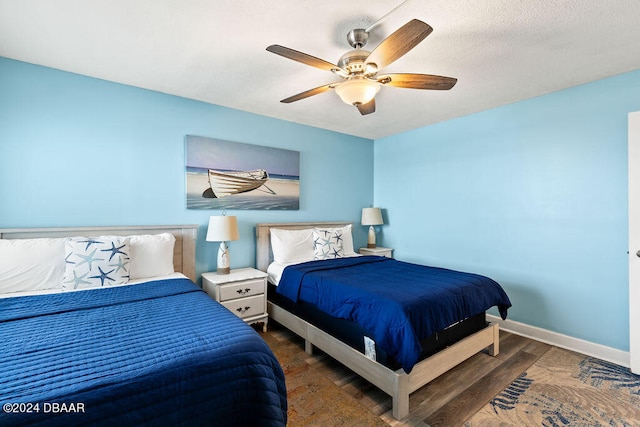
pixel 536 347
pixel 435 395
pixel 473 398
pixel 445 388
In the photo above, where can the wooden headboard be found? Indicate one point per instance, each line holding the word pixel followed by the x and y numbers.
pixel 184 251
pixel 264 255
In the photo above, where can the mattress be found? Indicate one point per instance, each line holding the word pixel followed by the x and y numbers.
pixel 156 353
pixel 355 336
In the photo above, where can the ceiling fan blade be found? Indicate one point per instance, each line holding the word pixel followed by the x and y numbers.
pixel 368 108
pixel 400 42
pixel 310 92
pixel 302 57
pixel 418 81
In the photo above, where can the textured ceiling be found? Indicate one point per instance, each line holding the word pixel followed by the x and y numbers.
pixel 501 51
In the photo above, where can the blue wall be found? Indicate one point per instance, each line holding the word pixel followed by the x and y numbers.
pixel 81 151
pixel 533 194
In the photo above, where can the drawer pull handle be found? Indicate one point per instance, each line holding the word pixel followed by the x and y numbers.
pixel 242 310
pixel 243 291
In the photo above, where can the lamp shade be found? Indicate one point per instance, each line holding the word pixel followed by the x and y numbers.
pixel 222 229
pixel 371 216
pixel 357 91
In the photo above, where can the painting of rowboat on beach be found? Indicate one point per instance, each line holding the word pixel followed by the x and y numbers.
pixel 232 175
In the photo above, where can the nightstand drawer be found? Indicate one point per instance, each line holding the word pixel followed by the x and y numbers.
pixel 246 307
pixel 242 289
pixel 378 251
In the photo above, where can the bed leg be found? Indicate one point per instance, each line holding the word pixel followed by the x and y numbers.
pixel 400 398
pixel 494 349
pixel 308 347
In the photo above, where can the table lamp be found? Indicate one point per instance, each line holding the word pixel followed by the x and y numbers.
pixel 371 217
pixel 223 229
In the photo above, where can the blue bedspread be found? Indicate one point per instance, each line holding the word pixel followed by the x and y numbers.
pixel 398 303
pixel 159 353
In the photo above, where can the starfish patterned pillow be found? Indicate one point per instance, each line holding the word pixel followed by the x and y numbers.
pixel 327 244
pixel 94 262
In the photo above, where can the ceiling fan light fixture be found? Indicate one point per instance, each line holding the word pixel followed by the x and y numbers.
pixel 357 91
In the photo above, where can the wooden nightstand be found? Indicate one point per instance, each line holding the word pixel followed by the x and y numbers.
pixel 243 291
pixel 385 252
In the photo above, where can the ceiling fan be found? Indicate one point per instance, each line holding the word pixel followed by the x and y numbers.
pixel 359 68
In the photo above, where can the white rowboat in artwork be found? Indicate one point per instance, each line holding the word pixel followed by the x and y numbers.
pixel 227 183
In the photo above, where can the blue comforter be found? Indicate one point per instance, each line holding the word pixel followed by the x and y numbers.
pixel 398 303
pixel 159 353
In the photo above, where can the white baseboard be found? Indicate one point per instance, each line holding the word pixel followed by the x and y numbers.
pixel 609 354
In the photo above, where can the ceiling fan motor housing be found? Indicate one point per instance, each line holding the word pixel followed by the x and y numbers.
pixel 354 61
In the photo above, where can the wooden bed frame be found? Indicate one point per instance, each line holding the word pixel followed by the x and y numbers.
pixel 398 384
pixel 184 251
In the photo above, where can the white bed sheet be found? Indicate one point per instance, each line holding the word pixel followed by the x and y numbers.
pixel 174 275
pixel 274 272
pixel 275 269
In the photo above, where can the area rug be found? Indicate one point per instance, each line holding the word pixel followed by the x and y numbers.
pixel 566 389
pixel 313 399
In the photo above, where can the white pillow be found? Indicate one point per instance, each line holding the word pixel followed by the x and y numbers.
pixel 290 246
pixel 95 262
pixel 347 238
pixel 151 255
pixel 328 244
pixel 31 264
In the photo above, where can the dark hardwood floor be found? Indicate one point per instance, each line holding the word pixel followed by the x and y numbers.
pixel 449 400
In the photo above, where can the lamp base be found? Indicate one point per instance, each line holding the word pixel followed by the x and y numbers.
pixel 223 259
pixel 371 239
